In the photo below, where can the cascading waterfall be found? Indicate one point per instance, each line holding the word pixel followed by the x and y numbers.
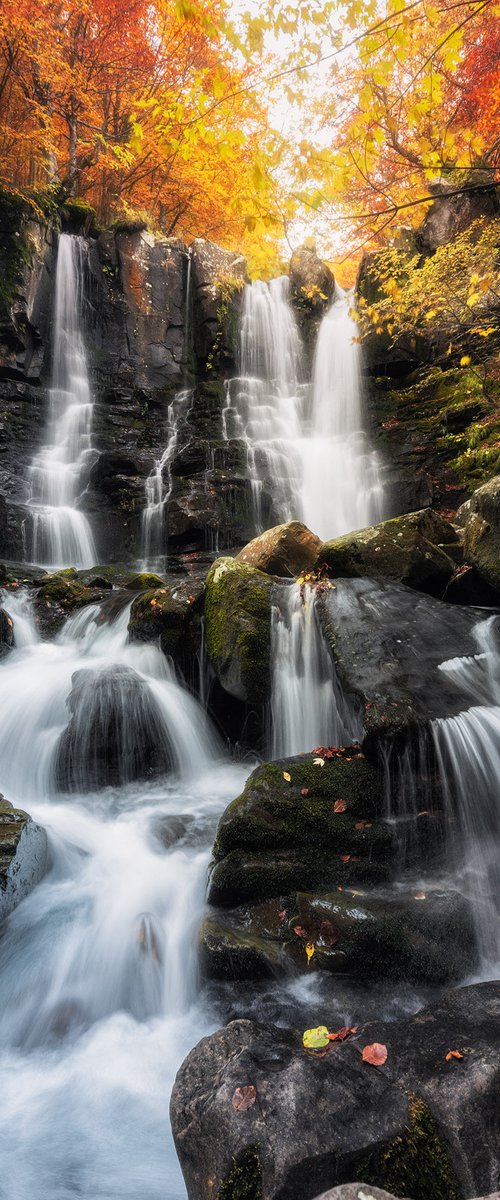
pixel 154 538
pixel 263 406
pixel 61 534
pixel 98 966
pixel 308 456
pixel 308 706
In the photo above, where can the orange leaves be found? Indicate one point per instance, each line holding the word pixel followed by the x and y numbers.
pixel 342 1034
pixel 376 1054
pixel 244 1097
pixel 453 1054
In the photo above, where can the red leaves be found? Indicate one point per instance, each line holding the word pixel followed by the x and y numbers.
pixel 376 1054
pixel 343 1033
pixel 346 752
pixel 340 806
pixel 363 825
pixel 244 1097
pixel 304 791
pixel 300 931
pixel 453 1054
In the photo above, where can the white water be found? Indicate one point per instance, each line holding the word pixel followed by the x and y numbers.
pixel 61 534
pixel 308 456
pixel 308 707
pixel 154 537
pixel 468 752
pixel 98 967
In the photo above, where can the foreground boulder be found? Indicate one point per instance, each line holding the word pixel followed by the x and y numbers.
pixel 238 628
pixel 285 550
pixel 481 520
pixel 61 595
pixel 23 856
pixel 170 616
pixel 312 283
pixel 420 1125
pixel 417 549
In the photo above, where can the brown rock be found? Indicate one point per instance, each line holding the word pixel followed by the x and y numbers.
pixel 311 280
pixel 285 550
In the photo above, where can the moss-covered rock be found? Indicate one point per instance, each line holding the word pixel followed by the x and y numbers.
pixel 23 856
pixel 58 597
pixel 482 531
pixel 285 550
pixel 171 616
pixel 238 628
pixel 406 549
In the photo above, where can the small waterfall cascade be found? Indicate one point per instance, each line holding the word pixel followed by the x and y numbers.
pixel 158 487
pixel 308 706
pixel 342 485
pixel 264 404
pixel 61 534
pixel 308 456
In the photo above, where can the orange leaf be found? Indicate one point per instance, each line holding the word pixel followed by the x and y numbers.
pixel 376 1054
pixel 340 806
pixel 244 1097
pixel 304 791
pixel 453 1054
pixel 345 857
pixel 343 1033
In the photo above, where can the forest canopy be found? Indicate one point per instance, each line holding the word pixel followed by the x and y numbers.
pixel 171 112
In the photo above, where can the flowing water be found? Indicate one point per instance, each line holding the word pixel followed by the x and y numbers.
pixel 98 966
pixel 308 456
pixel 154 536
pixel 61 534
pixel 308 707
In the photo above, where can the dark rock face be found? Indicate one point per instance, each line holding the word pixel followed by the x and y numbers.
pixel 114 735
pixel 6 632
pixel 312 282
pixel 218 278
pixel 171 617
pixel 418 1126
pixel 23 856
pixel 450 214
pixel 481 520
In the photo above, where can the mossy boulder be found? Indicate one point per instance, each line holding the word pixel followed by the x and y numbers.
pixel 58 597
pixel 238 600
pixel 318 829
pixel 407 549
pixel 285 550
pixel 481 519
pixel 312 283
pixel 23 856
pixel 170 616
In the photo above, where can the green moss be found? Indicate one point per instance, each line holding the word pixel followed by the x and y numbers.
pixel 76 211
pixel 65 590
pixel 143 581
pixel 403 548
pixel 417 1163
pixel 244 1180
pixel 238 628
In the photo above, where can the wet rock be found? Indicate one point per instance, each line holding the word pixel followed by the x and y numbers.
pixel 58 597
pixel 286 550
pixel 115 733
pixel 406 936
pixel 481 522
pixel 282 835
pixel 407 549
pixel 23 856
pixel 238 628
pixel 312 282
pixel 417 1126
pixel 218 278
pixel 467 586
pixel 388 643
pixel 171 617
pixel 6 632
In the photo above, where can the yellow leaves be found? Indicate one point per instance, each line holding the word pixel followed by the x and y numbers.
pixel 465 361
pixel 309 952
pixel 315 1039
pixel 287 777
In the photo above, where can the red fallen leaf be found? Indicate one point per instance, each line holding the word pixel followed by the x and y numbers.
pixel 363 825
pixel 345 857
pixel 340 806
pixel 304 791
pixel 376 1054
pixel 453 1054
pixel 282 914
pixel 244 1097
pixel 343 1033
pixel 299 931
pixel 327 933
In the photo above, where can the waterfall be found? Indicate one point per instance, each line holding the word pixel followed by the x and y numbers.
pixel 308 456
pixel 61 534
pixel 158 488
pixel 263 405
pixel 308 707
pixel 341 475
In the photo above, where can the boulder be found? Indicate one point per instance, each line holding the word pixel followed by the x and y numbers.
pixel 286 550
pixel 6 632
pixel 451 214
pixel 481 522
pixel 238 601
pixel 425 938
pixel 170 616
pixel 421 1125
pixel 283 833
pixel 115 733
pixel 312 282
pixel 23 856
pixel 356 1191
pixel 58 597
pixel 408 549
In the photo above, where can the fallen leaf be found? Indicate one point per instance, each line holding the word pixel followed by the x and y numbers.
pixel 304 791
pixel 340 806
pixel 287 776
pixel 345 857
pixel 376 1054
pixel 318 762
pixel 309 952
pixel 420 896
pixel 314 1039
pixel 363 825
pixel 244 1097
pixel 299 931
pixel 343 1033
pixel 282 914
pixel 453 1054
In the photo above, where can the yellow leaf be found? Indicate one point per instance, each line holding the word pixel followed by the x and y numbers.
pixel 309 951
pixel 287 776
pixel 314 1039
pixel 465 361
